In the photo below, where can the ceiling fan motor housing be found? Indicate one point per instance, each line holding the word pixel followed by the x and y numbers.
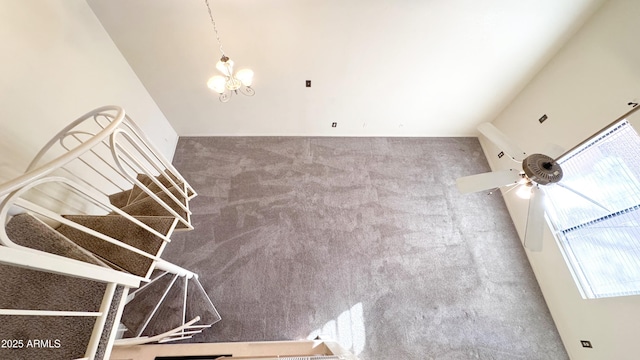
pixel 542 169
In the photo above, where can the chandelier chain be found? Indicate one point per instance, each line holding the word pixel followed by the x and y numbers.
pixel 215 29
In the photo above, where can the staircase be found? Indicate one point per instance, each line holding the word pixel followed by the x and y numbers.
pixel 80 255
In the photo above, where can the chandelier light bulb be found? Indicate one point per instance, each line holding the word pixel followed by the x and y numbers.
pixel 225 66
pixel 217 84
pixel 246 76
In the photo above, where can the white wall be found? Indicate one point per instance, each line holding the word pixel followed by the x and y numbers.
pixel 378 67
pixel 585 86
pixel 57 63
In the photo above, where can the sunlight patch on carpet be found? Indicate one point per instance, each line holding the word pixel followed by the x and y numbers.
pixel 347 330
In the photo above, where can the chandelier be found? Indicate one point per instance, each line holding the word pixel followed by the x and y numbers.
pixel 229 83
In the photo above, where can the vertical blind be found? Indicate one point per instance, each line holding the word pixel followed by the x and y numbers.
pixel 595 211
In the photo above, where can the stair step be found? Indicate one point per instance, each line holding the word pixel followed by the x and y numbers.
pixel 137 312
pixel 45 337
pixel 149 207
pixel 28 289
pixel 190 193
pixel 175 180
pixel 153 187
pixel 55 337
pixel 170 313
pixel 137 190
pixel 127 197
pixel 28 231
pixel 120 228
pixel 199 304
pixel 68 294
pixel 124 198
pixel 120 199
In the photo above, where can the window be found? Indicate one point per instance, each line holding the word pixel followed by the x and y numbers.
pixel 595 211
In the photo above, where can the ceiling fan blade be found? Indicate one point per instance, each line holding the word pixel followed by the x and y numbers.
pixel 583 196
pixel 501 140
pixel 486 181
pixel 534 229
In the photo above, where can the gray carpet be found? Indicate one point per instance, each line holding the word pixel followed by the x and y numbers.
pixel 363 239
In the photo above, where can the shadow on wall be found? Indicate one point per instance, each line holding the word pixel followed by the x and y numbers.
pixel 347 330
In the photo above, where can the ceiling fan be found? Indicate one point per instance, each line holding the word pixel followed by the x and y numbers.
pixel 537 172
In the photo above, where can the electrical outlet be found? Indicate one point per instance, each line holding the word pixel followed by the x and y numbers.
pixel 308 83
pixel 334 124
pixel 586 343
pixel 543 118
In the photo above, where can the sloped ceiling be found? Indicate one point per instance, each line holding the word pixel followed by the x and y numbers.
pixel 378 67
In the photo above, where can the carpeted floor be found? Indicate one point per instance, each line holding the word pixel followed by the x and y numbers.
pixel 362 239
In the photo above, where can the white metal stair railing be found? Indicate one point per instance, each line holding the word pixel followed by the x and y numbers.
pixel 105 150
pixel 79 180
pixel 188 327
pixel 17 201
pixel 182 332
pixel 98 155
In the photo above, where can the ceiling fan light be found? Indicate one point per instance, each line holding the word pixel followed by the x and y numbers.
pixel 245 76
pixel 217 84
pixel 524 192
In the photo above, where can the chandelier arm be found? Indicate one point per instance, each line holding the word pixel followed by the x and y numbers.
pixel 247 90
pixel 225 96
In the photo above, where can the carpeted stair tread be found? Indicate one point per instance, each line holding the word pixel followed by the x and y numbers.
pixel 137 190
pixel 179 182
pixel 28 231
pixel 127 197
pixel 120 228
pixel 143 198
pixel 153 187
pixel 137 311
pixel 149 207
pixel 124 198
pixel 27 289
pixel 169 314
pixel 120 199
pixel 199 304
pixel 57 337
pixel 108 326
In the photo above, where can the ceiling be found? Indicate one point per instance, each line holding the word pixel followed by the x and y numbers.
pixel 378 67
